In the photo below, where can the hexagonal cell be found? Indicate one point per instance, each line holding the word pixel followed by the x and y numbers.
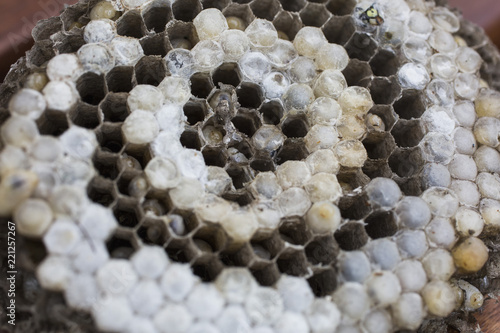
pixel 45 28
pixel 154 44
pixel 314 14
pixel 110 137
pixel 384 63
pixel 153 231
pixel 262 163
pixel 386 113
pixel 265 9
pixel 323 282
pixel 293 262
pixel 207 268
pixel 214 156
pixel 288 23
pixel 293 5
pixel 150 70
pixel 272 112
pixel 119 79
pixel 227 73
pixel 157 14
pixel 190 139
pixel 355 208
pixel 114 107
pixel 246 122
pixel 384 90
pixel 186 10
pixel 381 224
pixel 408 133
pixel 179 30
pixel 186 220
pixel 406 162
pixel 351 236
pixel 178 250
pixel 123 182
pixel 195 111
pixel 358 73
pixel 267 247
pixel 239 175
pixel 295 126
pixel 379 146
pixel 40 53
pixel 266 276
pixel 339 30
pixel 127 212
pixel 131 24
pixel 85 115
pixel 120 246
pixel 243 147
pixel 241 11
pixel 294 149
pixel 105 164
pixel 410 105
pixel 64 43
pixel 361 46
pixel 341 7
pixel 210 238
pixel 52 123
pixel 101 191
pixel 201 85
pixel 322 250
pixel 219 4
pixel 129 165
pixel 92 88
pixel 350 180
pixel 249 95
pixel 377 168
pixel 294 231
pixel 155 204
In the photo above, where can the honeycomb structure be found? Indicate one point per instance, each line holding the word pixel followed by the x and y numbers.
pixel 252 166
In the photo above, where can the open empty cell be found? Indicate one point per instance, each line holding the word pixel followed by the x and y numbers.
pixel 381 224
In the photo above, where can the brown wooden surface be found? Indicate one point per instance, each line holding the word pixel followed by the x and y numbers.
pixel 18 17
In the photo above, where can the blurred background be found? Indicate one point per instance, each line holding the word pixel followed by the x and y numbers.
pixel 18 17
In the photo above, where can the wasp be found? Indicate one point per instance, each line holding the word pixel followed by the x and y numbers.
pixel 372 16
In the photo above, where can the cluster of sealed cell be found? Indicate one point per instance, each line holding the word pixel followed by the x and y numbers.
pixel 262 134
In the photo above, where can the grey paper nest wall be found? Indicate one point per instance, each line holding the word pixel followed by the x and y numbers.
pixel 252 166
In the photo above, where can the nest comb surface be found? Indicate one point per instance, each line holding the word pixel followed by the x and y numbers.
pixel 394 133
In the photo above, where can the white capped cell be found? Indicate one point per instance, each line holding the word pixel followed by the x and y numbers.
pixel 440 232
pixel 294 202
pixel 321 137
pixel 443 18
pixel 33 217
pixel 116 277
pixel 205 302
pixel 323 160
pixel 464 113
pixel 27 102
pixel 413 76
pixel 323 316
pixel 298 96
pixel 490 211
pixel 81 292
pixel 465 142
pixel 323 187
pixel 111 313
pixel 487 130
pixel 443 66
pixel 96 57
pixel 438 264
pixel 207 55
pixel 489 185
pixel 233 319
pixel 54 273
pixel 355 100
pixel 323 217
pixel 268 137
pixel 291 322
pixel 173 318
pixel 411 275
pixel 261 33
pixel 127 50
pixel 275 85
pixel 145 97
pixel 98 222
pixel 234 43
pixel 463 167
pixel 354 266
pixel 303 70
pixel 235 284
pixel 64 67
pixel 324 110
pixel 62 237
pixel 351 153
pixel 240 224
pixel 383 287
pixel 180 62
pixel 466 85
pixel 417 50
pixel 309 40
pixel 435 174
pixel 218 181
pixel 440 92
pixel 266 185
pixel 419 24
pixel 281 54
pixel 383 192
pixel 332 56
pixel 408 311
pixel 439 298
pixel 79 142
pixel 149 261
pixel 330 83
pixel 140 127
pixel 413 212
pixel 384 253
pixel 412 243
pixel 99 31
pixel 487 159
pixel 60 96
pixel 442 41
pixel 89 255
pixel 442 201
pixel 468 60
pixel 67 200
pixel 146 297
pixel 437 147
pixel 292 174
pixel 177 281
pixel 467 192
pixel 264 306
pixel 268 214
pixel 255 66
pixel 210 23
pixel 186 193
pixel 19 131
pixel 378 321
pixel 352 300
pixel 295 292
pixel 468 222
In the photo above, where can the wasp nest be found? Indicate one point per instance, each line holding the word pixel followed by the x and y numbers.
pixel 252 166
